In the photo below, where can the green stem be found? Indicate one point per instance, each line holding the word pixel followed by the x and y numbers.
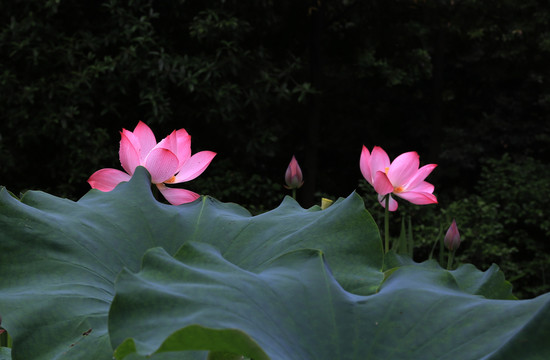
pixel 450 259
pixel 5 340
pixel 387 225
pixel 437 239
pixel 294 194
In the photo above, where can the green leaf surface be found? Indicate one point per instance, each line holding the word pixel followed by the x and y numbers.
pixel 59 258
pixel 490 284
pixel 306 283
pixel 294 309
pixel 5 353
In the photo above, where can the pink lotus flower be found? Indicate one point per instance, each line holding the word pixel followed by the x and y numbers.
pixel 402 177
pixel 293 176
pixel 168 162
pixel 452 237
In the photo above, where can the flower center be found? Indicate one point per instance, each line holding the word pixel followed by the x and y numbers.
pixel 386 169
pixel 171 180
pixel 398 189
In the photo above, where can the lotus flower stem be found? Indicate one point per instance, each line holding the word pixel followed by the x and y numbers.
pixel 450 259
pixel 294 194
pixel 438 239
pixel 387 225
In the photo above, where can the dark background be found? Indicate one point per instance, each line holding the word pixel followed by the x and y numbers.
pixel 463 83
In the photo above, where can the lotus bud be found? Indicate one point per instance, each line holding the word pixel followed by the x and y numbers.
pixel 452 237
pixel 293 176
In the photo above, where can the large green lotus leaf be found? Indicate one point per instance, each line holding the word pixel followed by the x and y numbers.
pixel 490 283
pixel 59 258
pixel 293 308
pixel 5 353
pixel 345 232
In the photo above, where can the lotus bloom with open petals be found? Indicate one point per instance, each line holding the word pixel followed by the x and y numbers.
pixel 168 162
pixel 402 177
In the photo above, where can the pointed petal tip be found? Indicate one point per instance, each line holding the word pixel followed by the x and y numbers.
pixel 364 164
pixel 418 198
pixel 177 196
pixel 107 179
pixel 195 166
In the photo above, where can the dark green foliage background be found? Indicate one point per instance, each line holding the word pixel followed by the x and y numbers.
pixel 461 82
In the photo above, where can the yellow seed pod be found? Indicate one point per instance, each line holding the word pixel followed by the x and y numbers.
pixel 325 203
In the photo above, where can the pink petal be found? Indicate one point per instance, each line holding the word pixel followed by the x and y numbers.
pixel 452 237
pixel 364 164
pixel 420 175
pixel 129 151
pixel 194 166
pixel 182 133
pixel 177 196
pixel 169 143
pixel 403 168
pixel 294 178
pixel 382 184
pixel 418 198
pixel 184 146
pixel 293 169
pixel 162 165
pixel 146 139
pixel 424 187
pixel 107 179
pixel 379 161
pixel 393 203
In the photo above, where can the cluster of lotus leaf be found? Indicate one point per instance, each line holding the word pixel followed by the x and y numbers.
pixel 120 275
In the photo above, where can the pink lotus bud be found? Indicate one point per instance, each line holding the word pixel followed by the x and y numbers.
pixel 293 176
pixel 452 237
